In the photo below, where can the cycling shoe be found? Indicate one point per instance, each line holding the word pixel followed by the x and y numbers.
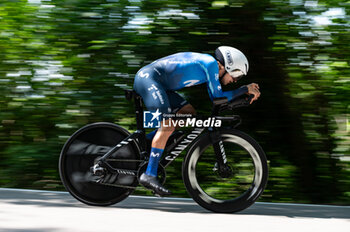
pixel 152 183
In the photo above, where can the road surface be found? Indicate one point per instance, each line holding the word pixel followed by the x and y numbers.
pixel 42 211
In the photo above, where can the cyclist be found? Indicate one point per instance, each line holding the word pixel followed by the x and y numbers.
pixel 158 81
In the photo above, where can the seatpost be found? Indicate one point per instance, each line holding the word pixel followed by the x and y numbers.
pixel 139 122
pixel 139 113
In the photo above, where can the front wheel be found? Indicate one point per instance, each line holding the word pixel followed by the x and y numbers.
pixel 245 178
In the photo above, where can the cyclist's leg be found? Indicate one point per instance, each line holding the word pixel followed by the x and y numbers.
pixel 177 104
pixel 160 138
pixel 155 98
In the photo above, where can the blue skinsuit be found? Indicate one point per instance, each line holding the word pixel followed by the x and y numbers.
pixel 158 81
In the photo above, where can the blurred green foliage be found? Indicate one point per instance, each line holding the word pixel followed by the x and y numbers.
pixel 64 64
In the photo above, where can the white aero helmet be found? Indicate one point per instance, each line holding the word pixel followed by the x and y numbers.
pixel 232 59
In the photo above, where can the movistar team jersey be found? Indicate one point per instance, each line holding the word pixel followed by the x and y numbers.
pixel 186 69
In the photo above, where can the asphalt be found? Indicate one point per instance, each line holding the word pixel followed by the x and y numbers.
pixel 32 210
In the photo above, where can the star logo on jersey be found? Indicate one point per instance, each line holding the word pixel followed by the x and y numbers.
pixel 151 119
pixel 219 87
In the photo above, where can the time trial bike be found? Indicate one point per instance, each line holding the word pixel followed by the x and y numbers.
pixel 225 170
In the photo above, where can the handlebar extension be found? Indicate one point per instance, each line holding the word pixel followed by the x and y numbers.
pixel 222 104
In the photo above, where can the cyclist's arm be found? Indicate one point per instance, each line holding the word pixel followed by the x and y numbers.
pixel 214 86
pixel 231 95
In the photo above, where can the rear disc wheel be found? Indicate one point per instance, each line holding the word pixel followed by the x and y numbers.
pixel 80 152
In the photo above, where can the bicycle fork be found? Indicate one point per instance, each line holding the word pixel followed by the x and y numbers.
pixel 221 165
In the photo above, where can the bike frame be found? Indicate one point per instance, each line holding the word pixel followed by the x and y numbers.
pixel 139 139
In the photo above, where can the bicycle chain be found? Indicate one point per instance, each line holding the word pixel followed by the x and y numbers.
pixel 118 186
